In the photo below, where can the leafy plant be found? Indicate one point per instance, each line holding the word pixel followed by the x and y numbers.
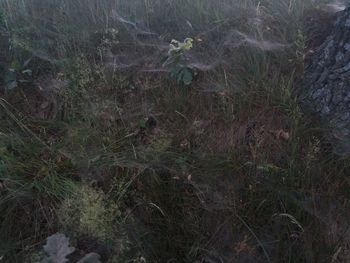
pixel 177 49
pixel 109 39
pixel 57 250
pixel 182 74
pixel 17 74
pixel 175 61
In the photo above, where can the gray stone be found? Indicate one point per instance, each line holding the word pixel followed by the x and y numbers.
pixel 326 84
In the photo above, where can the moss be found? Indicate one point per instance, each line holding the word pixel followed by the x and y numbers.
pixel 87 213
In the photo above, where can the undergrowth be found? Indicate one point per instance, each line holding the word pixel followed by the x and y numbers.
pixel 218 164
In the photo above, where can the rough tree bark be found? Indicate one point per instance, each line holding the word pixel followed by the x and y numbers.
pixel 326 83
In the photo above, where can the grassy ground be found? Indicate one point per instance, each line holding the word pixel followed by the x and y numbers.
pixel 99 142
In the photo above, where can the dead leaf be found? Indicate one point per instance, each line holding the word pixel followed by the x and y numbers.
pixel 281 135
pixel 184 144
pixel 243 245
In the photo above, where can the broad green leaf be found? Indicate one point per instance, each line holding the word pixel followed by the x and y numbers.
pixel 11 85
pixel 142 124
pixel 187 77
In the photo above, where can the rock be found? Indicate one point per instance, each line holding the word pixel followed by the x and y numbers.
pixel 326 84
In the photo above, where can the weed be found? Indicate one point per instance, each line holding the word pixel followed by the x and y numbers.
pixel 175 61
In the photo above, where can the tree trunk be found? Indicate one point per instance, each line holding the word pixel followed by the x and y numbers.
pixel 326 83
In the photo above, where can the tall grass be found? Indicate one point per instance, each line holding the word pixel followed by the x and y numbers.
pixel 52 28
pixel 158 171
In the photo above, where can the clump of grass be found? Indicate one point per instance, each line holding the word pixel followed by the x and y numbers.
pixel 33 178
